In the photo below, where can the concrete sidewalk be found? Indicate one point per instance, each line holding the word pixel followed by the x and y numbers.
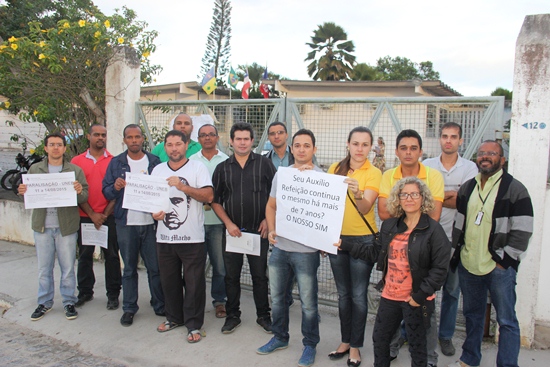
pixel 97 333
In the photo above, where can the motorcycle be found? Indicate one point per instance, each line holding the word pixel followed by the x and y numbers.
pixel 12 178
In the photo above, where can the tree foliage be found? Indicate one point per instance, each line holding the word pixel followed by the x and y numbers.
pixel 331 56
pixel 218 49
pixel 502 92
pixel 363 71
pixel 17 14
pixel 401 68
pixel 56 75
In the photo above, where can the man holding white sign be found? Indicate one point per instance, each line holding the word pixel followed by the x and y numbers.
pixel 241 189
pixel 290 258
pixel 135 229
pixel 180 237
pixel 56 231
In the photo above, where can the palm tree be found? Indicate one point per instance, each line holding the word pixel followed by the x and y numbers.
pixel 336 63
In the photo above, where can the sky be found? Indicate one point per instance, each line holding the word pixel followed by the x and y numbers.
pixel 471 43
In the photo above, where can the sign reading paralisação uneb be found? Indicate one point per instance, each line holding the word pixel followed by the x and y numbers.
pixel 310 207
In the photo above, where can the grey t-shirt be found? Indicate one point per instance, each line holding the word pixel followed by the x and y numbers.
pixel 52 221
pixel 284 243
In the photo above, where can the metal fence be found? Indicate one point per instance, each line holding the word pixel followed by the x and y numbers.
pixel 331 120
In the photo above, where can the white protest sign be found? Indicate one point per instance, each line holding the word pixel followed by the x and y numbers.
pixel 50 190
pixel 144 193
pixel 310 207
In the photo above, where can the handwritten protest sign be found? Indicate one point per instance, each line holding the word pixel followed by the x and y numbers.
pixel 310 207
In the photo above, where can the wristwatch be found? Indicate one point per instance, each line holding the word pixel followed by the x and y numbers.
pixel 361 197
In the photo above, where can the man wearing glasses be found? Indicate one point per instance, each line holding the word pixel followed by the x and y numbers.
pixel 56 232
pixel 492 228
pixel 210 156
pixel 280 155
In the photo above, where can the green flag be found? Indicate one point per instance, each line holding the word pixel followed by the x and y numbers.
pixel 232 79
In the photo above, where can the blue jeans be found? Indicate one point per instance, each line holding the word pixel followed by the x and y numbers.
pixel 213 234
pixel 352 278
pixel 449 305
pixel 133 241
pixel 283 265
pixel 47 244
pixel 501 283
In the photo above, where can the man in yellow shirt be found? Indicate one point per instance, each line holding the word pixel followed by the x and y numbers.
pixel 409 149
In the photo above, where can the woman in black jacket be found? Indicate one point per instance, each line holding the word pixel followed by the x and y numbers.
pixel 414 259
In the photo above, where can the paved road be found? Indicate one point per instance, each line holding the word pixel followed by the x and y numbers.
pixel 20 346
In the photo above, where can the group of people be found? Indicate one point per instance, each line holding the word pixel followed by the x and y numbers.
pixel 425 206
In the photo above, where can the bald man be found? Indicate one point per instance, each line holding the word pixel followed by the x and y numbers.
pixel 183 123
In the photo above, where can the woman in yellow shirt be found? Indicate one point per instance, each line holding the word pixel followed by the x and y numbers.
pixel 352 276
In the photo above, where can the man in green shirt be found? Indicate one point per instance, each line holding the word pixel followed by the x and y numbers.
pixel 183 123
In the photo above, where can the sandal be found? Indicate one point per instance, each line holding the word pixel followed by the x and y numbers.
pixel 191 336
pixel 334 356
pixel 220 312
pixel 167 326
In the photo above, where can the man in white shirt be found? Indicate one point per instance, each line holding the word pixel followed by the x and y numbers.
pixel 180 237
pixel 456 171
pixel 135 229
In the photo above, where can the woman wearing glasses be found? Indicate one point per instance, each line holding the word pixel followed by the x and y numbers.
pixel 352 276
pixel 414 259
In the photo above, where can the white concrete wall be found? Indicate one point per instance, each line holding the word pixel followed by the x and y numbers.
pixel 16 222
pixel 122 87
pixel 529 147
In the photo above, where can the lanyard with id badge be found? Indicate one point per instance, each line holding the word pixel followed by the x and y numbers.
pixel 480 214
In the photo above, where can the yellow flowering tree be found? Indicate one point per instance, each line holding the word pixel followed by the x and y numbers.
pixel 56 75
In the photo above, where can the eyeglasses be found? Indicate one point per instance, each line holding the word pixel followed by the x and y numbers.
pixel 273 133
pixel 490 154
pixel 412 195
pixel 212 135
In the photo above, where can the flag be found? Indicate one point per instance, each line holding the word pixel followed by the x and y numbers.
pixel 264 89
pixel 246 85
pixel 209 81
pixel 232 80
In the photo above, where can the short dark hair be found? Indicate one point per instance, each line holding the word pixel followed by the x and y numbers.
pixel 131 126
pixel 305 132
pixel 276 123
pixel 493 141
pixel 92 127
pixel 176 133
pixel 241 126
pixel 55 135
pixel 408 133
pixel 208 125
pixel 451 125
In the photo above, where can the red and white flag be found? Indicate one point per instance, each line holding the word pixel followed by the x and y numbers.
pixel 264 88
pixel 246 85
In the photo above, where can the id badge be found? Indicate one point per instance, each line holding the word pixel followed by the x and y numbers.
pixel 479 217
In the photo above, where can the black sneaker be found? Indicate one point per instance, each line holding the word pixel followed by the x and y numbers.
pixel 265 323
pixel 83 298
pixel 127 319
pixel 112 303
pixel 70 312
pixel 39 313
pixel 231 323
pixel 447 347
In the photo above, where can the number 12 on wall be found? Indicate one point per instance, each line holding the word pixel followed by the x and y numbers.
pixel 534 125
